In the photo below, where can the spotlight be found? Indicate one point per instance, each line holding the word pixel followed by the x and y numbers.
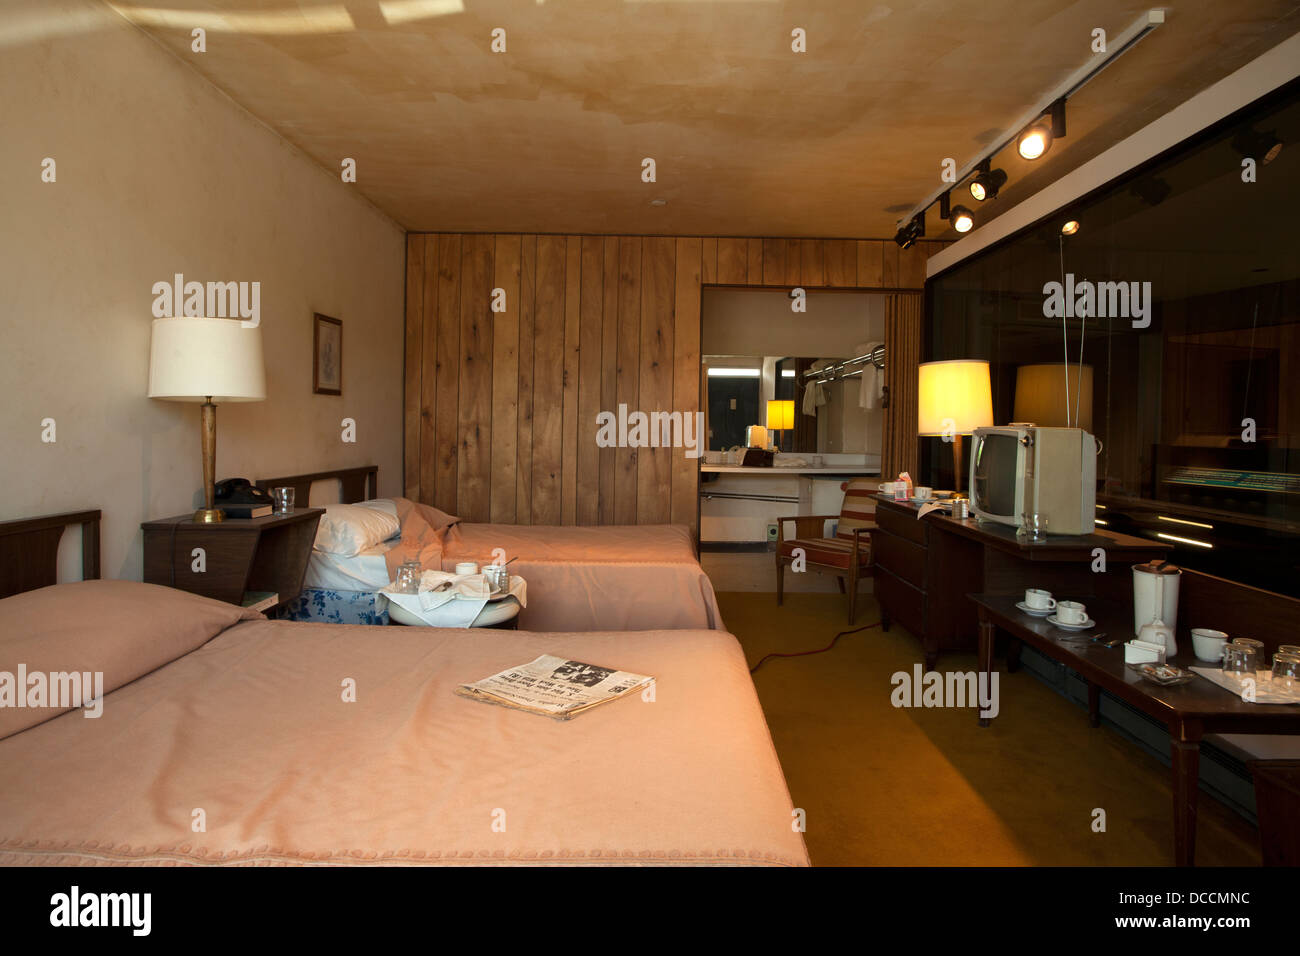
pixel 1261 147
pixel 987 183
pixel 1036 140
pixel 959 216
pixel 913 230
pixel 1070 228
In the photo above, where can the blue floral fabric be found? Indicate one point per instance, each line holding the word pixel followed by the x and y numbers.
pixel 323 606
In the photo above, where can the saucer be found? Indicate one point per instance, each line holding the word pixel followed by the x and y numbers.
pixel 1071 627
pixel 1035 611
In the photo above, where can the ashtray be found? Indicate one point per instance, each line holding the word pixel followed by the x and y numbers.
pixel 1166 675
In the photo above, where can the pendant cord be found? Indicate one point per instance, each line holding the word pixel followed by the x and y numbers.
pixel 1065 334
pixel 1250 361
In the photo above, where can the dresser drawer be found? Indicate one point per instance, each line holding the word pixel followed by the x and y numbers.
pixel 902 558
pixel 901 602
pixel 900 521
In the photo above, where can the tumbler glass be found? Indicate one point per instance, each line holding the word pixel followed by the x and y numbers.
pixel 1239 659
pixel 1286 671
pixel 283 498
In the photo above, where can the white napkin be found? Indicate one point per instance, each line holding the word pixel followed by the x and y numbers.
pixel 465 587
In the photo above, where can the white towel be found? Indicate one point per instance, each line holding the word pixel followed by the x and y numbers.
pixel 869 391
pixel 815 394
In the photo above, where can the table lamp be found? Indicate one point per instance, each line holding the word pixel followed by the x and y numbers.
pixel 1041 395
pixel 780 415
pixel 209 361
pixel 954 398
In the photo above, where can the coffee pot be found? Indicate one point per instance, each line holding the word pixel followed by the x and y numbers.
pixel 1155 603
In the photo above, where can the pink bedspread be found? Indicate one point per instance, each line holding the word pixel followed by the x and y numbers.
pixel 250 731
pixel 614 577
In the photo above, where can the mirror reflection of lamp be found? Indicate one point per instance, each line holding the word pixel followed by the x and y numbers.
pixel 780 416
pixel 953 399
pixel 1041 395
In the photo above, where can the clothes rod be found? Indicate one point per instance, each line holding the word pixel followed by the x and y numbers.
pixel 831 373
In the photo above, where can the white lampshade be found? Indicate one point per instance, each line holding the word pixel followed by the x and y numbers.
pixel 194 359
pixel 1041 390
pixel 958 390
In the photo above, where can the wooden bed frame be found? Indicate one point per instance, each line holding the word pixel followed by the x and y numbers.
pixel 357 484
pixel 29 550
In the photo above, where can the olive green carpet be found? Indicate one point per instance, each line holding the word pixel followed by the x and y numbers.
pixel 892 786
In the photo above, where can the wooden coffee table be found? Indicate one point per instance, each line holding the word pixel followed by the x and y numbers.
pixel 1189 711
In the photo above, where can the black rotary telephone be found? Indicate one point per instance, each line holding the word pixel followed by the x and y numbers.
pixel 240 491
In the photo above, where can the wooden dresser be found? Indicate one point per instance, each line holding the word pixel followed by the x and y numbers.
pixel 925 568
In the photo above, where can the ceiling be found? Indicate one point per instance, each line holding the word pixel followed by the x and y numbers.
pixel 748 137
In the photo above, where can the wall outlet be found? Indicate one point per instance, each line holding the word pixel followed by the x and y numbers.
pixel 771 532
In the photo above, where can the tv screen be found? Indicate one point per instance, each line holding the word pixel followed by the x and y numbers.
pixel 994 485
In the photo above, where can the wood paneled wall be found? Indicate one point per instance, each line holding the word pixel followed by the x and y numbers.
pixel 500 419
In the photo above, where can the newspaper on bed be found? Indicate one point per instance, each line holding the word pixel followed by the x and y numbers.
pixel 554 687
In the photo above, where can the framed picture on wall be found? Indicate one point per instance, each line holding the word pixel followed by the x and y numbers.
pixel 327 362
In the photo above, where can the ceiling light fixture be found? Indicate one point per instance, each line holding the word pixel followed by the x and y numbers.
pixel 1037 139
pixel 1051 106
pixel 959 216
pixel 911 232
pixel 1261 147
pixel 987 182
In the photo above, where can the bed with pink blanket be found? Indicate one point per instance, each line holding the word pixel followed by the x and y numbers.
pixel 612 577
pixel 224 738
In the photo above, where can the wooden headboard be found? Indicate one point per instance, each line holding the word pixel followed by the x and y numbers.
pixel 358 484
pixel 29 550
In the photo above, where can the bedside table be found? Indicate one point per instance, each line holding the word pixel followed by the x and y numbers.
pixel 241 554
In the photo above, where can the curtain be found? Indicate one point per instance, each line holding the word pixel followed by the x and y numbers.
pixel 899 442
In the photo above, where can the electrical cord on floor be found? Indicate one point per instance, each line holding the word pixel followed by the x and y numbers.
pixel 823 650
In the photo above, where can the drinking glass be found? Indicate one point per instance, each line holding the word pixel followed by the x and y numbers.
pixel 1033 527
pixel 283 498
pixel 1286 671
pixel 408 577
pixel 1258 647
pixel 1239 659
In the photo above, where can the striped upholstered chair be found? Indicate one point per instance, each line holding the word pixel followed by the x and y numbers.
pixel 847 555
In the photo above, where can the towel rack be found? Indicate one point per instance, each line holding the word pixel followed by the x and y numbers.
pixel 847 368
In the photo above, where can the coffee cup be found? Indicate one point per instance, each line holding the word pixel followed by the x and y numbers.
pixel 1039 599
pixel 1071 612
pixel 1207 644
pixel 923 493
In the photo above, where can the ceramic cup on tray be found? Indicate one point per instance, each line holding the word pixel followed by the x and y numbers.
pixel 1039 599
pixel 1207 644
pixel 1071 612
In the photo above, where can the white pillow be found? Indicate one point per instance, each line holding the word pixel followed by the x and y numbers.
pixel 348 530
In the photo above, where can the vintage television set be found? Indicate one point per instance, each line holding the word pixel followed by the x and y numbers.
pixel 1022 469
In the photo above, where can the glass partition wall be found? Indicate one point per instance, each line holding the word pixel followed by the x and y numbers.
pixel 1178 313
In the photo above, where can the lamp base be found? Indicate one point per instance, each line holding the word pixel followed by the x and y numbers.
pixel 209 516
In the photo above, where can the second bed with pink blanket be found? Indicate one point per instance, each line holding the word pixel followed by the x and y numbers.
pixel 616 578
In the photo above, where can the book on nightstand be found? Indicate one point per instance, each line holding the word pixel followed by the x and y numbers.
pixel 244 511
pixel 260 600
